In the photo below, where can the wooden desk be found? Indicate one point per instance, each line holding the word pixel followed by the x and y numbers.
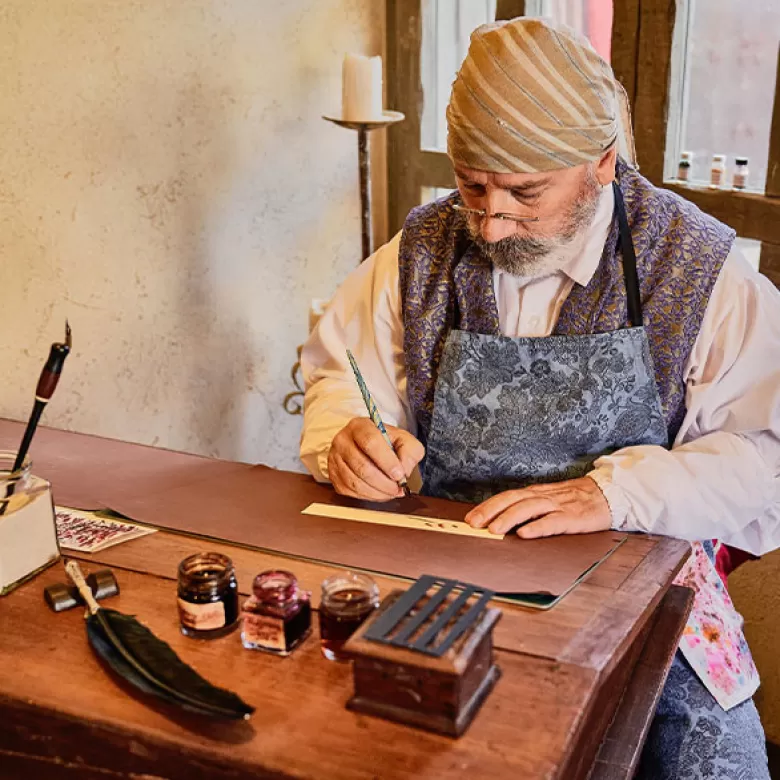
pixel 604 649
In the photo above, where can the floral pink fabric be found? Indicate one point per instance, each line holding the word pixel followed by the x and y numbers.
pixel 713 642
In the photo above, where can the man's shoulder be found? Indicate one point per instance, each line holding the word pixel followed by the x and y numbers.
pixel 650 203
pixel 437 213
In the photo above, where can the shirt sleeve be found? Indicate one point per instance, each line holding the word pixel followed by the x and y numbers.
pixel 721 479
pixel 365 317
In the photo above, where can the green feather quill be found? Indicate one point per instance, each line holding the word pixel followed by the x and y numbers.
pixel 149 664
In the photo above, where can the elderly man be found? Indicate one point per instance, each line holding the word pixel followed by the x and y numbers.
pixel 575 349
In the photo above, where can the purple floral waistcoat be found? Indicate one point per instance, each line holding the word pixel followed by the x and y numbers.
pixel 679 250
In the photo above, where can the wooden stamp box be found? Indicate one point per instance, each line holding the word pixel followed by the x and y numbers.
pixel 438 693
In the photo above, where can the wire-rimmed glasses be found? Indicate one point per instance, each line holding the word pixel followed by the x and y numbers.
pixel 498 215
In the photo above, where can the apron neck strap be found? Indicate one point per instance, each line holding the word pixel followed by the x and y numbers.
pixel 629 260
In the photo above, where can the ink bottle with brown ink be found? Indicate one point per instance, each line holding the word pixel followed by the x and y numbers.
pixel 347 600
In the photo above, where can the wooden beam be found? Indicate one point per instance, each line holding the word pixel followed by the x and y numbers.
pixel 751 215
pixel 404 41
pixel 653 70
pixel 436 170
pixel 509 9
pixel 773 166
pixel 769 265
pixel 625 45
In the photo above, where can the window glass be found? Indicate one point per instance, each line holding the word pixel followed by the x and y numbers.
pixel 723 78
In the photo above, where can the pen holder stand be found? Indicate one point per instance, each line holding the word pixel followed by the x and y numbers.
pixel 28 531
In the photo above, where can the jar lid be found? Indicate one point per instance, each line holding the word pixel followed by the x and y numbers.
pixel 687 156
pixel 741 160
pixel 719 158
pixel 206 570
pixel 275 585
pixel 349 592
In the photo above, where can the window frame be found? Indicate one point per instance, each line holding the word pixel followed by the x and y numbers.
pixel 411 168
pixel 642 51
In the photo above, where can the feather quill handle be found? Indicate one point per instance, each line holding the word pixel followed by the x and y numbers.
pixel 149 664
pixel 373 411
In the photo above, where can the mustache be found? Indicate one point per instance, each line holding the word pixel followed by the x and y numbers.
pixel 529 246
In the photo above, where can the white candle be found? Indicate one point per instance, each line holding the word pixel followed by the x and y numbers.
pixel 361 97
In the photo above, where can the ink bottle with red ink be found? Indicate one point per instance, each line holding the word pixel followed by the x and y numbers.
pixel 276 618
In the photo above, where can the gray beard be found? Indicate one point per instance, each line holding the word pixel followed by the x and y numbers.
pixel 530 256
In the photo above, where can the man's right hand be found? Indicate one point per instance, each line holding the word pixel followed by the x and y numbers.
pixel 361 465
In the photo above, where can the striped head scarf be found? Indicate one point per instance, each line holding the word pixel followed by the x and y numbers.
pixel 531 97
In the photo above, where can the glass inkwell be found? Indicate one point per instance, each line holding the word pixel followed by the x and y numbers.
pixel 277 616
pixel 208 595
pixel 347 600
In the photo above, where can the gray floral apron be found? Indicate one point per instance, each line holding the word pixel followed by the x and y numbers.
pixel 509 412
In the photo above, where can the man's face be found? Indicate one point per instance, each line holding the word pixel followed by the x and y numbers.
pixel 565 202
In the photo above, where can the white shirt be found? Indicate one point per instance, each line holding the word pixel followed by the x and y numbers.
pixel 721 479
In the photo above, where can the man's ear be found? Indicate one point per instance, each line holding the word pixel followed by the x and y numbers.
pixel 605 168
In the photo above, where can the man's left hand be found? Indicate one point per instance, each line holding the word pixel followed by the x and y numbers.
pixel 576 506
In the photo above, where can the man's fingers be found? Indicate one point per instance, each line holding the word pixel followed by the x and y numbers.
pixel 522 512
pixel 574 506
pixel 409 450
pixel 364 465
pixel 365 468
pixel 348 483
pixel 489 510
pixel 552 524
pixel 370 441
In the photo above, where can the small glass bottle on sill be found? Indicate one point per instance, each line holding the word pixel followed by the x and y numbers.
pixel 277 616
pixel 684 166
pixel 208 595
pixel 740 178
pixel 347 600
pixel 717 171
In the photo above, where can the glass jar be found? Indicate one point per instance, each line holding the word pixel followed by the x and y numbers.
pixel 740 178
pixel 277 616
pixel 717 171
pixel 14 485
pixel 684 166
pixel 347 600
pixel 28 535
pixel 208 595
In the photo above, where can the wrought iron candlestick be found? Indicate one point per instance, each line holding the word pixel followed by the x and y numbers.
pixel 363 127
pixel 293 400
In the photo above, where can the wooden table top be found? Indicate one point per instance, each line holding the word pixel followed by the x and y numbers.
pixel 554 665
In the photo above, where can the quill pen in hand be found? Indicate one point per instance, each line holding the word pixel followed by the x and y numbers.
pixel 149 664
pixel 373 411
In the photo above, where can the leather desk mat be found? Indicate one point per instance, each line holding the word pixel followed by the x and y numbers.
pixel 260 507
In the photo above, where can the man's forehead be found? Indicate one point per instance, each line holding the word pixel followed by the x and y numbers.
pixel 505 180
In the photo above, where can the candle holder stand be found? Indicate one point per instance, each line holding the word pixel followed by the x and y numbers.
pixel 363 128
pixel 293 402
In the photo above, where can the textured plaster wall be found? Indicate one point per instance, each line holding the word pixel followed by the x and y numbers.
pixel 755 588
pixel 167 183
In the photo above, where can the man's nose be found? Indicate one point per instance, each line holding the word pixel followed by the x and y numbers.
pixel 492 228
